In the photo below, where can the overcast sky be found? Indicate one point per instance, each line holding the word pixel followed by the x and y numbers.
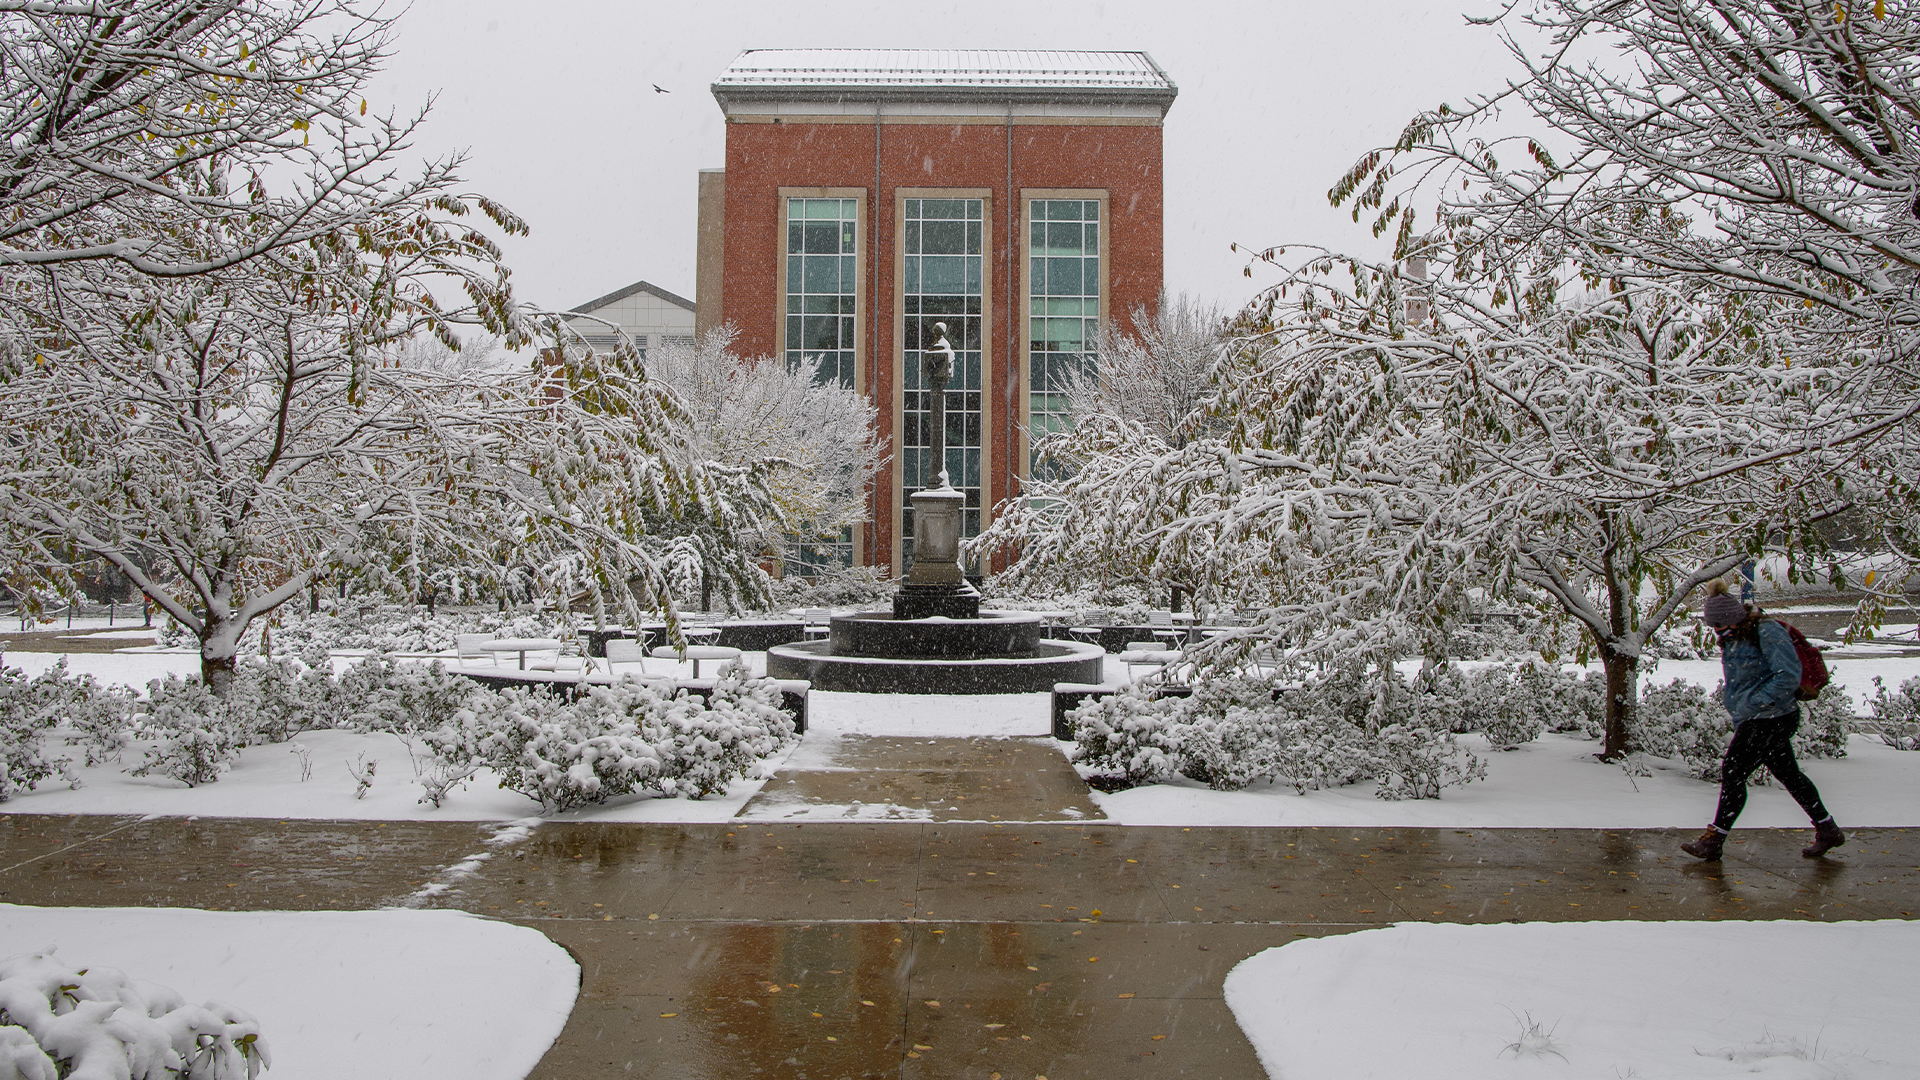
pixel 553 102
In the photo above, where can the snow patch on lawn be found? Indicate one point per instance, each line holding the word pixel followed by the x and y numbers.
pixel 1676 1001
pixel 424 995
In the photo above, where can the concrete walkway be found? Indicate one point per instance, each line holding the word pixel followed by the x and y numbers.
pixel 909 950
pixel 843 776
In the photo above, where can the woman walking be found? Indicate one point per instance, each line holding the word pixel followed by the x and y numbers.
pixel 1762 673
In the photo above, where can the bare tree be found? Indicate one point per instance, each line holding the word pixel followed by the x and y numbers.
pixel 1157 375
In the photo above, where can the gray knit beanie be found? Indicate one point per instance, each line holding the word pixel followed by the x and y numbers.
pixel 1722 609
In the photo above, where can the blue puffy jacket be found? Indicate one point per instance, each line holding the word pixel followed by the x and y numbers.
pixel 1762 676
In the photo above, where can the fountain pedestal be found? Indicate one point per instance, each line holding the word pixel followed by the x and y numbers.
pixel 935 641
pixel 935 587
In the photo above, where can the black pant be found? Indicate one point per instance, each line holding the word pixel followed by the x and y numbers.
pixel 1764 741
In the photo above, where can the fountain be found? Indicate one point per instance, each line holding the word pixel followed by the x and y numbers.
pixel 936 640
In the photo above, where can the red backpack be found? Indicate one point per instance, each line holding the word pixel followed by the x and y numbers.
pixel 1813 666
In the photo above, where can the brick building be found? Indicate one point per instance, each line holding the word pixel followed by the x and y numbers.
pixel 868 194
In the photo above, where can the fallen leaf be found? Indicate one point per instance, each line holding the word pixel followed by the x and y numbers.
pixel 831 1038
pixel 933 1004
pixel 1157 1038
pixel 919 1046
pixel 653 918
pixel 995 1027
pixel 1126 995
pixel 865 1002
pixel 1030 967
pixel 1093 959
pixel 911 1054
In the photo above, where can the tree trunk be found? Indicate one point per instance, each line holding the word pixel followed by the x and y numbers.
pixel 1623 699
pixel 219 652
pixel 216 672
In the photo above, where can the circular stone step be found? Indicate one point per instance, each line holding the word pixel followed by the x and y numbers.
pixel 1053 662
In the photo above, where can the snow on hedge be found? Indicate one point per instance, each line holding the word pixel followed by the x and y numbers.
pixel 59 1021
pixel 616 741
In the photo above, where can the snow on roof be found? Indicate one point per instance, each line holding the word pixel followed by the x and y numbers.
pixel 621 294
pixel 1033 76
pixel 944 68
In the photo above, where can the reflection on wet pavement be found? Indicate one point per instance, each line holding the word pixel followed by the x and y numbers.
pixel 937 949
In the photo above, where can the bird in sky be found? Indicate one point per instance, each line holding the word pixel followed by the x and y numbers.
pixel 658 90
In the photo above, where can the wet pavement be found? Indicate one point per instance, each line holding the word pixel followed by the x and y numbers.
pixel 926 779
pixel 955 949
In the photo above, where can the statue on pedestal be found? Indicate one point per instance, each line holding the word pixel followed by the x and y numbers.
pixel 937 366
pixel 936 586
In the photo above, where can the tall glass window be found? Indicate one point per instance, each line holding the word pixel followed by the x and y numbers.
pixel 822 291
pixel 1063 287
pixel 821 286
pixel 942 243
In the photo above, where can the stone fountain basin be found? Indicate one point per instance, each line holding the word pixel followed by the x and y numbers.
pixel 1051 662
pixel 879 634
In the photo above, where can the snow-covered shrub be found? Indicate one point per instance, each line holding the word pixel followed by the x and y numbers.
pixel 565 756
pixel 192 736
pixel 57 1022
pixel 29 708
pixel 377 694
pixel 1232 732
pixel 95 716
pixel 1561 699
pixel 1130 736
pixel 1414 761
pixel 1896 715
pixel 742 725
pixel 617 740
pixel 1825 723
pixel 1682 721
pixel 842 586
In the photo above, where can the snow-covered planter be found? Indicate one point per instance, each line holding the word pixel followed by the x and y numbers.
pixel 59 1022
pixel 1896 715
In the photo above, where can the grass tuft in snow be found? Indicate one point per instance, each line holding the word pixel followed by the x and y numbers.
pixel 1534 1040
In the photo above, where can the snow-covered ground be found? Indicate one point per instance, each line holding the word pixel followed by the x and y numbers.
pixel 1674 1001
pixel 419 995
pixel 1553 782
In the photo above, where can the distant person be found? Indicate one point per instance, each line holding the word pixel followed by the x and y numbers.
pixel 1762 672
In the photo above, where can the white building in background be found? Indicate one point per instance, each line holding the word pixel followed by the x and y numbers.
pixel 647 313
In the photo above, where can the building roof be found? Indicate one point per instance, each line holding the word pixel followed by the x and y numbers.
pixel 621 294
pixel 995 74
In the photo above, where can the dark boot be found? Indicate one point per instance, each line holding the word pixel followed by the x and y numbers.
pixel 1708 846
pixel 1826 837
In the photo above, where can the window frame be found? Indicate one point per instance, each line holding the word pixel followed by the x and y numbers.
pixel 896 471
pixel 861 299
pixel 1023 373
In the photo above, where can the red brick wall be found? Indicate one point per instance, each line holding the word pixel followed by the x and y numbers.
pixel 762 158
